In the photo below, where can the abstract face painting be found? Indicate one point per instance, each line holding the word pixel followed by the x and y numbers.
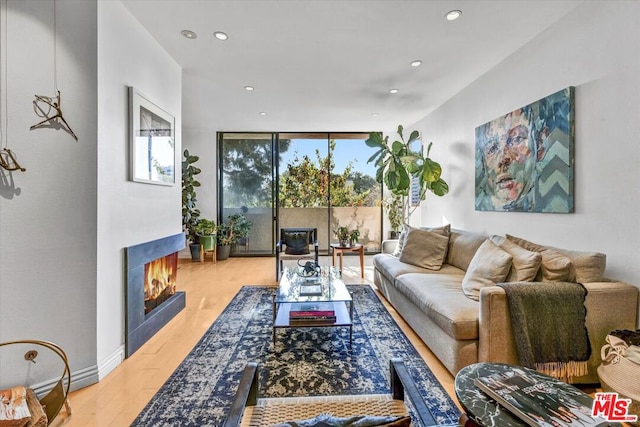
pixel 524 159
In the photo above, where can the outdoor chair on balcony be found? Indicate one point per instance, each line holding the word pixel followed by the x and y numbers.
pixel 388 409
pixel 296 244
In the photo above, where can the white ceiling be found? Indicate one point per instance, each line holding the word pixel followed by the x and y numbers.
pixel 327 65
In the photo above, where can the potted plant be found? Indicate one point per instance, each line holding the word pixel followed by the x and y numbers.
pixel 398 164
pixel 236 227
pixel 190 214
pixel 206 231
pixel 393 206
pixel 342 233
pixel 354 235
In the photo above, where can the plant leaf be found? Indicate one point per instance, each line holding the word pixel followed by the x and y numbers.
pixel 375 140
pixel 439 187
pixel 414 135
pixel 431 170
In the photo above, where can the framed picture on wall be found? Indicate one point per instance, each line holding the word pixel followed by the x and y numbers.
pixel 152 150
pixel 524 159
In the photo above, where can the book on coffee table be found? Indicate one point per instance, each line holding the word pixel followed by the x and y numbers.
pixel 312 311
pixel 536 402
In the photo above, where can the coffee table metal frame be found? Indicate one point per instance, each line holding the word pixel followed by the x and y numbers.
pixel 333 291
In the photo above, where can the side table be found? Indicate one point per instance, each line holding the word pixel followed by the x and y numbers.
pixel 340 250
pixel 484 411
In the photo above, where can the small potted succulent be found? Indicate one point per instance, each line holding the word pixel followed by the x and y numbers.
pixel 354 235
pixel 343 235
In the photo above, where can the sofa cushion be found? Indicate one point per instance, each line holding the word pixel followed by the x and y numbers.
pixel 441 299
pixel 424 248
pixel 391 267
pixel 556 266
pixel 462 247
pixel 490 265
pixel 444 230
pixel 589 266
pixel 525 264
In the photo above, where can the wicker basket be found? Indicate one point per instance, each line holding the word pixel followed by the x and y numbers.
pixel 619 374
pixel 634 408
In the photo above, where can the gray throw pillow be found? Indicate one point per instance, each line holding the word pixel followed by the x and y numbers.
pixel 424 248
pixel 489 265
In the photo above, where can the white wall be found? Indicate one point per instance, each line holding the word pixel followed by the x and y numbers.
pixel 202 143
pixel 128 212
pixel 596 48
pixel 48 213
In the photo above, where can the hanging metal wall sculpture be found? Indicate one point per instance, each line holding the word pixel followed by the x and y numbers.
pixel 51 105
pixel 9 162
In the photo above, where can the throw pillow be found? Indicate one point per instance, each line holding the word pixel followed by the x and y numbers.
pixel 398 249
pixel 296 242
pixel 445 230
pixel 525 264
pixel 555 267
pixel 424 248
pixel 14 411
pixel 489 265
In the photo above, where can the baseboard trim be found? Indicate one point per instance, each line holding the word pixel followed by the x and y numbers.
pixel 111 363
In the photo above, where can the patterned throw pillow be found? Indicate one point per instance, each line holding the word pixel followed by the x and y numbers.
pixel 490 265
pixel 296 242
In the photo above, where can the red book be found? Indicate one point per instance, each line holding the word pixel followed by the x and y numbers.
pixel 324 313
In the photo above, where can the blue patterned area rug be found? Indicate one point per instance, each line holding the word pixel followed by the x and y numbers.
pixel 303 362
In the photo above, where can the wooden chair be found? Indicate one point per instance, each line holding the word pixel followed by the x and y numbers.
pixel 57 396
pixel 296 244
pixel 248 410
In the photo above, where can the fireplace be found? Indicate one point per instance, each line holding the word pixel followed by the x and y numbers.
pixel 152 300
pixel 159 281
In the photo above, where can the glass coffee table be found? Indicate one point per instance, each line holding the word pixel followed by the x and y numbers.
pixel 318 301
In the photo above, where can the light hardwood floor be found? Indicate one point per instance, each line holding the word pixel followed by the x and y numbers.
pixel 121 395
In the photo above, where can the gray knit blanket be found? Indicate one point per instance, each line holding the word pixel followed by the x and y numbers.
pixel 548 321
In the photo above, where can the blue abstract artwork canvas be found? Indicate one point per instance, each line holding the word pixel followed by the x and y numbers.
pixel 524 159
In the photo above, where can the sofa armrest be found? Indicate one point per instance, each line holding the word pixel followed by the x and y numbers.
pixel 495 336
pixel 388 246
pixel 610 305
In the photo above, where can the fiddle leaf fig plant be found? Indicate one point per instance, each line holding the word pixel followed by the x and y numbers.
pixel 398 163
pixel 190 214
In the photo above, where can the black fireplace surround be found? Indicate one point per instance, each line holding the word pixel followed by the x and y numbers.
pixel 141 327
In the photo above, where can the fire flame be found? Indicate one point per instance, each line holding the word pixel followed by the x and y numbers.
pixel 160 275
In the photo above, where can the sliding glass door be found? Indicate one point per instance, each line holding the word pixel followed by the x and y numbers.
pixel 318 180
pixel 246 176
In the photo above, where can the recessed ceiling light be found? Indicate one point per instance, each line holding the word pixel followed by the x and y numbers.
pixel 262 113
pixel 394 91
pixel 188 34
pixel 220 35
pixel 374 114
pixel 416 63
pixel 249 88
pixel 452 15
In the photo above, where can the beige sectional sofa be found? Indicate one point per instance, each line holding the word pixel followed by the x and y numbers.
pixel 461 331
